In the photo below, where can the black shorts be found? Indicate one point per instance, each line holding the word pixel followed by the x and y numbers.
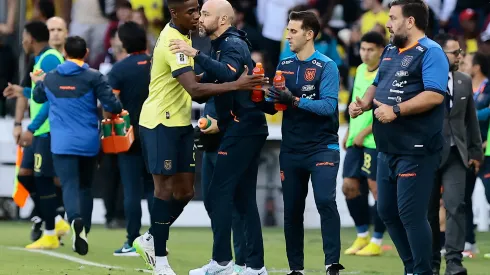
pixel 43 158
pixel 360 162
pixel 168 150
pixel 28 158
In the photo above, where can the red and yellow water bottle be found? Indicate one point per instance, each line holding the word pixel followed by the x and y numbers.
pixel 258 95
pixel 203 123
pixel 280 85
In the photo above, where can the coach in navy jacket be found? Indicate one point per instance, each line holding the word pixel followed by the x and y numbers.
pixel 72 90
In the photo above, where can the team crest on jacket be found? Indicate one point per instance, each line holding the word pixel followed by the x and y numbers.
pixel 310 74
pixel 167 164
pixel 406 61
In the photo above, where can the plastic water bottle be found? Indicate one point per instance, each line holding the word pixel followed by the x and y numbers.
pixel 280 85
pixel 258 95
pixel 203 123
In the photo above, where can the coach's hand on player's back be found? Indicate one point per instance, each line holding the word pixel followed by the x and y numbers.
pixel 250 82
pixel 180 46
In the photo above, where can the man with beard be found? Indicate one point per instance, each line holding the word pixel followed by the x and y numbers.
pixel 407 95
pixel 244 130
pixel 463 143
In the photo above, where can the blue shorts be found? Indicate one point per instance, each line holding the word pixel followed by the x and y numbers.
pixel 28 158
pixel 168 150
pixel 360 162
pixel 43 158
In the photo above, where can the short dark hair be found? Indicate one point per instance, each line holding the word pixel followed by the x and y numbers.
pixel 443 38
pixel 75 47
pixel 416 9
pixel 374 37
pixel 482 60
pixel 133 37
pixel 47 9
pixel 308 19
pixel 38 30
pixel 124 5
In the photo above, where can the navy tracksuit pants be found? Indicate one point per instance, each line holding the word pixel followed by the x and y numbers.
pixel 234 185
pixel 136 183
pixel 405 184
pixel 296 170
pixel 237 221
pixel 76 175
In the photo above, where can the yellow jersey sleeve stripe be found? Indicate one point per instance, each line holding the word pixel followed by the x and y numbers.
pixel 180 71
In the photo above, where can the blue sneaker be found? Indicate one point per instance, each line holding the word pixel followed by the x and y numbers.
pixel 126 250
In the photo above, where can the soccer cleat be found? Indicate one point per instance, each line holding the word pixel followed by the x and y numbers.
pixel 165 270
pixel 79 237
pixel 62 228
pixel 296 272
pixel 213 268
pixel 371 249
pixel 126 250
pixel 144 246
pixel 45 242
pixel 358 244
pixel 238 270
pixel 36 231
pixel 334 269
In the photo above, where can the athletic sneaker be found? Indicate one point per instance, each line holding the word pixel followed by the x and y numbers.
pixel 79 237
pixel 238 269
pixel 358 244
pixel 145 248
pixel 61 227
pixel 334 269
pixel 250 271
pixel 213 268
pixel 165 270
pixel 36 231
pixel 296 272
pixel 371 249
pixel 45 242
pixel 126 250
pixel 470 250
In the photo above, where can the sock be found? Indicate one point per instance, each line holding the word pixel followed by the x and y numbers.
pixel 30 186
pixel 377 241
pixel 57 219
pixel 176 208
pixel 224 263
pixel 48 200
pixel 59 194
pixel 362 231
pixel 161 261
pixel 377 235
pixel 49 232
pixel 160 225
pixel 359 211
pixel 442 236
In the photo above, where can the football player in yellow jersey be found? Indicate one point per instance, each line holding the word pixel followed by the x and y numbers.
pixel 166 131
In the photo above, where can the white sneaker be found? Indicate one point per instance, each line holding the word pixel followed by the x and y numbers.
pixel 165 270
pixel 213 268
pixel 145 248
pixel 250 271
pixel 238 269
pixel 470 250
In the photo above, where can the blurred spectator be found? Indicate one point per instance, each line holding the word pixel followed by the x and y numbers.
pixel 89 19
pixel 139 18
pixel 485 39
pixel 8 59
pixel 468 19
pixel 440 13
pixel 375 14
pixel 43 10
pixel 124 13
pixel 7 17
pixel 253 35
pixel 153 10
pixel 115 53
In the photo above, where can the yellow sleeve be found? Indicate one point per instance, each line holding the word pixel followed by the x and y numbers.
pixel 179 63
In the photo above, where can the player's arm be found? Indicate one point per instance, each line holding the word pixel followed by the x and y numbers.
pixel 103 92
pixel 225 70
pixel 329 93
pixel 435 68
pixel 114 80
pixel 473 129
pixel 40 118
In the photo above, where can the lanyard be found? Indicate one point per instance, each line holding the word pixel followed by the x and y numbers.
pixel 480 89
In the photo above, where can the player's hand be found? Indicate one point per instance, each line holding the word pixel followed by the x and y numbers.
pixel 16 133
pixel 281 96
pixel 213 128
pixel 180 46
pixel 359 140
pixel 26 139
pixel 13 91
pixel 355 108
pixel 384 113
pixel 37 76
pixel 249 82
pixel 476 164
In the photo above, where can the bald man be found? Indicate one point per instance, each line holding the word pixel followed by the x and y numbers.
pixel 57 33
pixel 244 130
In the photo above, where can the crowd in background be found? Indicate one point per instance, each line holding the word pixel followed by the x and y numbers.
pixel 343 24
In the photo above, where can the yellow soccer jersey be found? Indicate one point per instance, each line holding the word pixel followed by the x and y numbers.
pixel 168 103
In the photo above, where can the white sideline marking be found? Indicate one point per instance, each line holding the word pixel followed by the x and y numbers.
pixel 75 259
pixel 85 262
